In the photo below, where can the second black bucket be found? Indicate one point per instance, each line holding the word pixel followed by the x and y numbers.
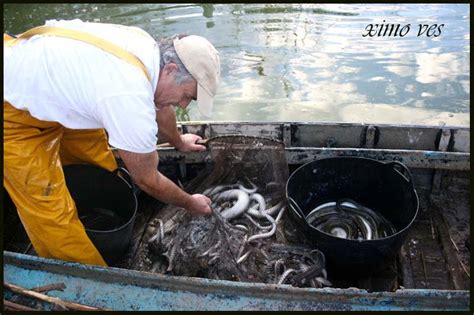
pixel 387 188
pixel 106 204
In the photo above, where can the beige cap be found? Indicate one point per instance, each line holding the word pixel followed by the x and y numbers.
pixel 201 59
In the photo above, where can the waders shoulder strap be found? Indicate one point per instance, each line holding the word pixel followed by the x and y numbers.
pixel 82 36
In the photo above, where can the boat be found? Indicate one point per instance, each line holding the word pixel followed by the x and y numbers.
pixel 431 271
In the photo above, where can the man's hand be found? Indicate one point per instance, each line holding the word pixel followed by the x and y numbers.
pixel 200 205
pixel 166 119
pixel 188 143
pixel 143 167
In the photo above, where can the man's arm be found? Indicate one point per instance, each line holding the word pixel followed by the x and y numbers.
pixel 144 171
pixel 166 119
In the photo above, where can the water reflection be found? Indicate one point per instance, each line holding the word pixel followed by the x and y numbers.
pixel 207 12
pixel 208 9
pixel 392 114
pixel 433 68
pixel 308 62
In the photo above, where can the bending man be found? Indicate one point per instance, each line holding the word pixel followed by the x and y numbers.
pixel 71 88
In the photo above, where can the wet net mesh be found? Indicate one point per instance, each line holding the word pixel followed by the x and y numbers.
pixel 243 239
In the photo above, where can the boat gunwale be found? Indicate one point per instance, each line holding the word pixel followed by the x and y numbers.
pixel 401 298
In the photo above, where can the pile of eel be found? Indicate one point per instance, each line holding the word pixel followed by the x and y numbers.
pixel 345 218
pixel 237 242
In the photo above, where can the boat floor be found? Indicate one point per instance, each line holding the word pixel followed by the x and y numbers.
pixel 436 254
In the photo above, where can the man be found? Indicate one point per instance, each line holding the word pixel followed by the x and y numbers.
pixel 72 87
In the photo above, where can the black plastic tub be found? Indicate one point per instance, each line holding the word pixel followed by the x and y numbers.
pixel 106 204
pixel 386 188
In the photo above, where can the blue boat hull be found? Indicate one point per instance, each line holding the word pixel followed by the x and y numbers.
pixel 120 289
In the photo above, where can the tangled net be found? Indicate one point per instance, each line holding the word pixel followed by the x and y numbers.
pixel 239 240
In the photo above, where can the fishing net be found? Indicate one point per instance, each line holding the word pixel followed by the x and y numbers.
pixel 242 240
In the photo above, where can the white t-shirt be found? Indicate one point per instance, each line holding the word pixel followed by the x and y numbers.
pixel 81 86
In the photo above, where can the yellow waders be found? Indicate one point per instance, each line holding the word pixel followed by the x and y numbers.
pixel 34 153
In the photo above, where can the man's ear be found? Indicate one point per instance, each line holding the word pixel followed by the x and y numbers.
pixel 170 68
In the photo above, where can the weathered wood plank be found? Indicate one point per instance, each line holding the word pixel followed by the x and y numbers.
pixel 294 155
pixel 411 158
pixel 408 138
pixel 461 140
pixel 124 290
pixel 320 134
pixel 425 256
pixel 274 131
pixel 330 135
pixel 423 179
pixel 451 212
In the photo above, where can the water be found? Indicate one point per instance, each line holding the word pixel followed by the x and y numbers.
pixel 309 62
pixel 100 219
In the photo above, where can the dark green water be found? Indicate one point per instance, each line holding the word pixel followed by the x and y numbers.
pixel 309 62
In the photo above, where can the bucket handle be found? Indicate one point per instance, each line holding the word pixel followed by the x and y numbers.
pixel 401 169
pixel 125 175
pixel 295 206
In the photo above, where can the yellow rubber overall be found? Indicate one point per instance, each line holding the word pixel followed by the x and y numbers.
pixel 34 153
